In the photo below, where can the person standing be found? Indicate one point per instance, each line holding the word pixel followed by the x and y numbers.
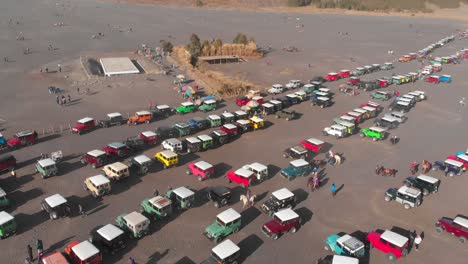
pixel 80 210
pixel 13 174
pixel 132 260
pixel 40 247
pixel 69 98
pixel 333 189
pixel 30 254
pixel 59 67
pixel 417 242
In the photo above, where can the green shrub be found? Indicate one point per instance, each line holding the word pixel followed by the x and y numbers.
pixel 296 3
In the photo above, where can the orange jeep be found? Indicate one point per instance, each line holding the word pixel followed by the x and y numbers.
pixel 140 117
pixel 405 58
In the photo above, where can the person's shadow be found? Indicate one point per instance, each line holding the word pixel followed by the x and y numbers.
pixel 339 188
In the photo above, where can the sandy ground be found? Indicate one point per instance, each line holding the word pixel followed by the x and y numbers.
pixel 432 132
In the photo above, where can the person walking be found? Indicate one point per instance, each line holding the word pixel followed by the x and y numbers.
pixel 78 90
pixel 30 254
pixel 13 174
pixel 417 242
pixel 40 247
pixel 59 67
pixel 132 260
pixel 461 103
pixel 333 189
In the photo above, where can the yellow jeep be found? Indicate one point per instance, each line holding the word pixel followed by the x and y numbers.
pixel 257 122
pixel 98 185
pixel 167 158
pixel 116 171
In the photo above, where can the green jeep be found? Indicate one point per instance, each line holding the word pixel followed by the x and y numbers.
pixel 381 95
pixel 8 225
pixel 156 208
pixel 46 167
pixel 226 223
pixel 208 105
pixel 4 202
pixel 206 142
pixel 136 224
pixel 215 120
pixel 183 128
pixel 182 197
pixel 376 133
pixel 185 108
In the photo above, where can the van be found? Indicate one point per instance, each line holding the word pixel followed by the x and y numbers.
pixel 116 171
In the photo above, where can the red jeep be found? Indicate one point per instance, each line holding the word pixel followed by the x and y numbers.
pixel 354 81
pixel 374 105
pixel 84 125
pixel 283 221
pixel 313 144
pixel 83 253
pixel 230 129
pixel 242 100
pixel 432 79
pixel 56 257
pixel 96 158
pixel 344 73
pixel 457 226
pixel 258 99
pixel 463 158
pixel 332 76
pixel 357 116
pixel 202 170
pixel 23 138
pixel 383 82
pixel 242 176
pixel 149 137
pixel 389 242
pixel 116 149
pixel 7 162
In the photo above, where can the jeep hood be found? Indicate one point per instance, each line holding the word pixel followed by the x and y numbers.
pixel 287 171
pixel 273 226
pixel 271 204
pixel 214 228
pixel 13 141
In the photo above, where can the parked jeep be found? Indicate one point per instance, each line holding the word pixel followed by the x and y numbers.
pixel 220 195
pixel 225 253
pixel 345 245
pixel 226 223
pixel 140 164
pixel 191 144
pixel 338 131
pixel 280 199
pixel 400 106
pixel 116 171
pixel 206 142
pixel 313 144
pixel 296 152
pixel 215 120
pixel 108 238
pixel 8 225
pixel 260 171
pixel 165 132
pixel 83 253
pixel 376 133
pixel 162 111
pixel 276 89
pixel 7 162
pixel 181 197
pixel 113 119
pixel 457 226
pixel 84 125
pixel 134 223
pixel 241 176
pixel 296 168
pixel 322 101
pixel 116 149
pixel 172 144
pixel 23 138
pixel 198 123
pixel 408 197
pixel 219 137
pixel 183 129
pixel 283 221
pixel 381 95
pixel 185 108
pixel 56 206
pixel 243 125
pixel 46 167
pixel 156 208
pixel 208 105
pixel 286 114
pixel 167 158
pixel 450 167
pixel 231 130
pixel 390 243
pixel 426 184
pixel 398 116
pixel 227 117
pixel 96 158
pixel 4 201
pixel 201 169
pixel 98 185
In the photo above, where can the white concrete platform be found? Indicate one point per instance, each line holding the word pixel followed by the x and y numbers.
pixel 118 66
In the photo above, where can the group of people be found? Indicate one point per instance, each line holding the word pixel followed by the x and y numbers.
pixel 63 100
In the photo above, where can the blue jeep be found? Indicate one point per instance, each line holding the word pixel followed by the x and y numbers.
pixel 345 245
pixel 450 167
pixel 296 168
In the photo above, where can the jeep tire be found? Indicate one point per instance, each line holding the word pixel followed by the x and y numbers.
pixel 425 192
pixel 216 204
pixel 391 257
pixel 462 239
pixel 293 230
pixel 274 237
pixel 407 206
pixel 387 198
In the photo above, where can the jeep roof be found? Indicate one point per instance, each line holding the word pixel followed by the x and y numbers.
pixel 256 119
pixel 267 105
pixel 242 122
pixel 322 98
pixel 96 153
pixel 368 108
pixel 109 232
pixel 351 243
pixel 389 118
pixel 240 112
pixel 174 141
pixel 315 141
pixel 322 94
pixel 214 117
pixel 244 173
pixel 299 149
pixel 160 201
pixel 5 217
pixel 229 126
pixel 397 114
pixel 360 110
pixel 338 127
pixel 193 140
pixel 116 145
pixel 394 238
pixel 85 250
pixel 332 73
pixel 291 95
pixel 337 259
pixel 454 163
pixel 46 162
pixel 377 129
pixel 2 193
pixel 141 159
pixel 148 134
pixel 347 118
pixel 211 101
pixel 300 93
pixel 204 137
pixel 428 179
pixel 228 216
pixel 225 249
pixel 257 166
pixel 463 157
pixel 277 86
pixel 275 102
pixel 461 220
pixel 282 194
pixel 161 107
pixel 227 115
pixel 219 133
pixel 112 115
pixel 183 192
pixel 409 96
pixel 403 103
pixel 203 165
pixel 345 124
pixel 144 112
pixel 135 218
pixel 187 104
pixel 373 104
pixel 299 163
pixel 55 200
pixel 286 215
pixel 403 99
pixel 409 191
pixel 85 120
pixel 182 125
pixel 352 113
pixel 168 154
pixel 118 166
pixel 99 180
pixel 257 97
pixel 308 85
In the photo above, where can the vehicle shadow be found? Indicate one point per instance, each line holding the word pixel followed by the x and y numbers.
pixel 184 260
pixel 71 156
pixel 88 203
pixel 261 196
pixel 273 170
pixel 305 214
pixel 362 237
pixel 25 163
pixel 268 124
pixel 248 246
pixel 118 257
pixel 236 192
pixel 301 195
pixel 200 198
pixel 60 244
pixel 18 198
pixel 125 185
pixel 327 147
pixel 47 138
pixel 66 167
pixel 249 214
pixel 221 169
pixel 11 183
pixel 27 222
pixel 185 159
